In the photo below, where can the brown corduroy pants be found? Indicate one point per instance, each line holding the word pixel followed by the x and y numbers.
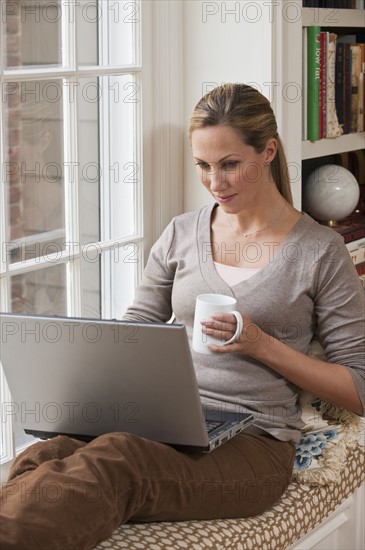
pixel 65 494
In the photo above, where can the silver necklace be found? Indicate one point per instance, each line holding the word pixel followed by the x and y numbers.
pixel 259 230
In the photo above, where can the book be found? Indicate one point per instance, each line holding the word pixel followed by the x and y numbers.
pixel 357 250
pixel 361 90
pixel 333 128
pixel 334 83
pixel 360 41
pixel 347 89
pixel 356 66
pixel 339 4
pixel 350 82
pixel 352 229
pixel 304 84
pixel 323 84
pixel 361 110
pixel 353 232
pixel 339 86
pixel 360 268
pixel 313 82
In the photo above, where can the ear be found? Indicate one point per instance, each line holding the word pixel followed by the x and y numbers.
pixel 270 150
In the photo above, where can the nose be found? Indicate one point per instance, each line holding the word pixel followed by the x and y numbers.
pixel 217 180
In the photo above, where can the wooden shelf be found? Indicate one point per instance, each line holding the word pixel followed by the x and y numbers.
pixel 323 147
pixel 333 17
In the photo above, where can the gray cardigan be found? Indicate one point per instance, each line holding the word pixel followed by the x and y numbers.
pixel 309 287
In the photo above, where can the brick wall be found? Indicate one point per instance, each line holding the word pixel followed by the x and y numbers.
pixel 12 13
pixel 12 106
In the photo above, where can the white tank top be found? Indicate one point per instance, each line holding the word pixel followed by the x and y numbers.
pixel 234 275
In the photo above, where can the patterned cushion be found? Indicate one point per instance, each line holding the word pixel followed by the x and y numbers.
pixel 327 435
pixel 300 509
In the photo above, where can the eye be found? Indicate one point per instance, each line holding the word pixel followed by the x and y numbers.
pixel 230 165
pixel 203 165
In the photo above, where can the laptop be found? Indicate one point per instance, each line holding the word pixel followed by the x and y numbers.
pixel 85 377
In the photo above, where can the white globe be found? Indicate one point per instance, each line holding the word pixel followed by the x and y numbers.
pixel 331 193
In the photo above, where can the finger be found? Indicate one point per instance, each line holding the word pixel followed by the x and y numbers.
pixel 230 348
pixel 224 318
pixel 223 326
pixel 222 335
pixel 224 331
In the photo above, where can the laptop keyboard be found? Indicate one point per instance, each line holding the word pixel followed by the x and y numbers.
pixel 212 425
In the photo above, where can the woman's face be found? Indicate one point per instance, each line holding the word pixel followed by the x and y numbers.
pixel 230 170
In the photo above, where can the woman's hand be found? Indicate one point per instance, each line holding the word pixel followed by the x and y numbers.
pixel 223 326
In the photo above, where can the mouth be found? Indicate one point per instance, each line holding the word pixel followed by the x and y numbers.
pixel 224 199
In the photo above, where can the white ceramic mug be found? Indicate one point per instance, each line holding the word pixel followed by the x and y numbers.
pixel 206 305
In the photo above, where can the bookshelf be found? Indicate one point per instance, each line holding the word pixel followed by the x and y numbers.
pixel 288 71
pixel 343 22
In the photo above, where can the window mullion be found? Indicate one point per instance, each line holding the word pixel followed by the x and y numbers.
pixel 105 195
pixel 103 32
pixel 105 199
pixel 7 431
pixel 138 192
pixel 4 226
pixel 4 219
pixel 69 35
pixel 71 160
pixel 137 36
pixel 139 203
pixel 39 73
pixel 71 186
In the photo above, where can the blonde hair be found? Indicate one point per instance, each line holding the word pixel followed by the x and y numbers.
pixel 246 110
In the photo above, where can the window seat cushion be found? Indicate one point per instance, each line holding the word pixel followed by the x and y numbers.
pixel 327 435
pixel 300 509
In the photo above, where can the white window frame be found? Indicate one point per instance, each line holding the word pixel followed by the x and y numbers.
pixel 160 158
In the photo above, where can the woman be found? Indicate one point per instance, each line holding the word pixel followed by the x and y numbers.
pixel 291 278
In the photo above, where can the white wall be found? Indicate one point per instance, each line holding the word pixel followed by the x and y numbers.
pixel 222 42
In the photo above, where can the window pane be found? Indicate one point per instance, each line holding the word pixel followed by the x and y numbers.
pixel 109 171
pixel 87 32
pixel 34 165
pixel 32 33
pixel 124 165
pixel 90 283
pixel 89 167
pixel 120 267
pixel 40 292
pixel 106 30
pixel 108 279
pixel 123 18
